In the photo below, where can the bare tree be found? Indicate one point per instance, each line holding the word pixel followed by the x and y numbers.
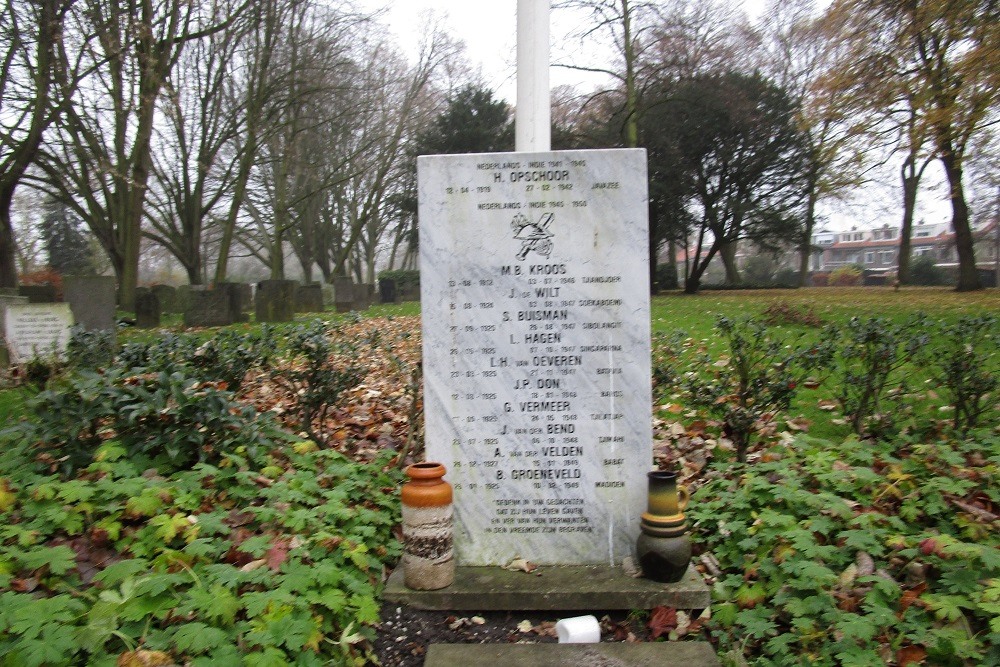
pixel 941 56
pixel 30 32
pixel 190 180
pixel 798 54
pixel 102 159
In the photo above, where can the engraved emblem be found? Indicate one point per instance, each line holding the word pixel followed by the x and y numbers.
pixel 533 235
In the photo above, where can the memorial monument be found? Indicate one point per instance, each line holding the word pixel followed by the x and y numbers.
pixel 535 304
pixel 537 386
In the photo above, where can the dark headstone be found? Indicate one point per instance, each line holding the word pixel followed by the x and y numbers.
pixel 343 294
pixel 309 298
pixel 275 300
pixel 237 293
pixel 365 295
pixel 387 290
pixel 38 293
pixel 92 300
pixel 243 292
pixel 147 309
pixel 208 308
pixel 167 296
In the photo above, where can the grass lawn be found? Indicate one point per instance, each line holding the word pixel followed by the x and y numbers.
pixel 696 314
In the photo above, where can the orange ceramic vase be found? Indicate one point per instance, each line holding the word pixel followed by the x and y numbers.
pixel 428 556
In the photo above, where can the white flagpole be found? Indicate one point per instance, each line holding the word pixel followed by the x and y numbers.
pixel 532 119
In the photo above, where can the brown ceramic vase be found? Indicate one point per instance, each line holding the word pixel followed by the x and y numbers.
pixel 663 547
pixel 428 557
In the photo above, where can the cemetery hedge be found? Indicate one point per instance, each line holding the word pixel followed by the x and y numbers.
pixel 129 537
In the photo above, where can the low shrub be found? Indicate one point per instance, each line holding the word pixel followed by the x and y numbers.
pixel 846 276
pixel 924 271
pixel 872 362
pixel 319 371
pixel 167 420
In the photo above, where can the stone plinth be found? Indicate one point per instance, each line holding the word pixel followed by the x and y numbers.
pixel 387 290
pixel 558 587
pixel 606 654
pixel 37 330
pixel 167 295
pixel 38 293
pixel 208 308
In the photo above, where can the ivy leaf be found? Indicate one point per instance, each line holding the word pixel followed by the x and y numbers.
pixel 757 622
pixel 216 604
pixel 198 637
pixel 59 559
pixel 147 503
pixel 856 627
pixel 269 657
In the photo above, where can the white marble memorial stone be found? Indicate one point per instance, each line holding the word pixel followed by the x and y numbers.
pixel 37 330
pixel 535 304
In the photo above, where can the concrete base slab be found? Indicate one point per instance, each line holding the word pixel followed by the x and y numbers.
pixel 554 587
pixel 654 654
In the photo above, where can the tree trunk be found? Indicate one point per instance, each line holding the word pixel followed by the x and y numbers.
pixel 911 179
pixel 693 280
pixel 968 276
pixel 805 249
pixel 727 252
pixel 8 247
pixel 671 265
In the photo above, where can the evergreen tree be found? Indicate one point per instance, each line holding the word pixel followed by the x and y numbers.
pixel 65 243
pixel 474 122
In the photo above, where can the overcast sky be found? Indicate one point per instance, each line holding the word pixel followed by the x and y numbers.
pixel 489 30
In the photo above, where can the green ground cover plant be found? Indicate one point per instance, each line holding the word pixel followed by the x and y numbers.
pixel 271 558
pixel 170 506
pixel 856 553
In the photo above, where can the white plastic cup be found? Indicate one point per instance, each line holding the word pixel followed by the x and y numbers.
pixel 579 630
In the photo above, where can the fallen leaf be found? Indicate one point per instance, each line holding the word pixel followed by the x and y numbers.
pixel 253 565
pixel 661 621
pixel 278 553
pixel 143 658
pixel 827 404
pixel 521 564
pixel 525 626
pixel 799 424
pixel 910 655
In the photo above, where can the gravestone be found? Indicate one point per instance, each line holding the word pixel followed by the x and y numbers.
pixel 37 330
pixel 38 293
pixel 92 300
pixel 309 298
pixel 167 296
pixel 8 297
pixel 243 293
pixel 147 310
pixel 208 307
pixel 365 293
pixel 387 290
pixel 275 300
pixel 237 298
pixel 535 309
pixel 343 294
